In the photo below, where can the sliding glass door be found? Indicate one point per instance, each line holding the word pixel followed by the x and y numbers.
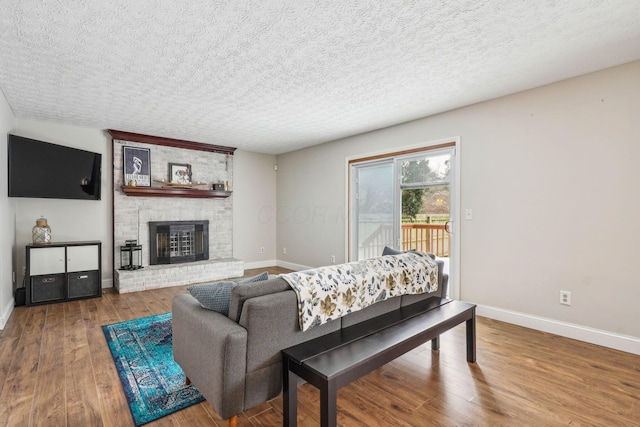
pixel 404 201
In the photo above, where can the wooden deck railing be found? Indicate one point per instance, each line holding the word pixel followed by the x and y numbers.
pixel 430 238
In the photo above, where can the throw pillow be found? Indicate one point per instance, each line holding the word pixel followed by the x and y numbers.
pixel 260 277
pixel 213 296
pixel 390 251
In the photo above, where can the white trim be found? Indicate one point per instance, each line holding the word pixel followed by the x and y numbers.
pixel 107 283
pixel 392 150
pixel 6 313
pixel 260 264
pixel 454 276
pixel 292 266
pixel 347 213
pixel 612 340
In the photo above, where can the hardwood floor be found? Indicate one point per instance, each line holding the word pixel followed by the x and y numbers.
pixel 56 370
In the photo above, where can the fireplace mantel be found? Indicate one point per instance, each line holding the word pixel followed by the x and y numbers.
pixel 174 192
pixel 170 142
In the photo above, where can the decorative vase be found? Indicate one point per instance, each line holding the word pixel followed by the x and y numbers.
pixel 41 232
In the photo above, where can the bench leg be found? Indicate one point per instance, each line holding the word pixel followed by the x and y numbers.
pixel 289 395
pixel 233 421
pixel 435 343
pixel 471 337
pixel 328 406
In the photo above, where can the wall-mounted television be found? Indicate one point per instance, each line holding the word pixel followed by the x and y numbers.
pixel 43 170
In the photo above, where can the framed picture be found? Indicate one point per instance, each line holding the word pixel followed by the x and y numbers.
pixel 179 173
pixel 137 166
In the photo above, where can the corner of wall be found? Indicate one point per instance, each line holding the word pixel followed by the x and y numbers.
pixel 7 220
pixel 6 313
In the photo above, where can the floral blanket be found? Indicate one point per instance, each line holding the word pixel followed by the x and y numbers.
pixel 330 292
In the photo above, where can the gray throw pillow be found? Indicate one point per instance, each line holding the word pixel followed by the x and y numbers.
pixel 217 296
pixel 260 277
pixel 390 251
pixel 213 296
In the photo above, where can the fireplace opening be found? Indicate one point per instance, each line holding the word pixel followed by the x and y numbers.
pixel 173 242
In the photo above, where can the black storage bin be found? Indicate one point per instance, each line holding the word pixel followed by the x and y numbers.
pixel 20 297
pixel 48 288
pixel 84 284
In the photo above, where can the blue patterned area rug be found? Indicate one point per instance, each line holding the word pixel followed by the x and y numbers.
pixel 153 382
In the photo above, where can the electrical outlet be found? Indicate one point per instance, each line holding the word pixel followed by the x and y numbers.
pixel 333 259
pixel 565 297
pixel 24 270
pixel 284 251
pixel 262 250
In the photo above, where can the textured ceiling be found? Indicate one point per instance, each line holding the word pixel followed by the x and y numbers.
pixel 274 76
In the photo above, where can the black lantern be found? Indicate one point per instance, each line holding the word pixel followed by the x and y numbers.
pixel 131 255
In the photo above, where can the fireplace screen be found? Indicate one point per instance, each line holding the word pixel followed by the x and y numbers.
pixel 173 242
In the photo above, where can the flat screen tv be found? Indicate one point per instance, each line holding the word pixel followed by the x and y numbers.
pixel 43 170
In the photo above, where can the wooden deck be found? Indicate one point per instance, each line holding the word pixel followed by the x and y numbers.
pixel 56 370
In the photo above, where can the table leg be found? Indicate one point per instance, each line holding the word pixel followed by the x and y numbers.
pixel 435 343
pixel 289 395
pixel 471 337
pixel 328 406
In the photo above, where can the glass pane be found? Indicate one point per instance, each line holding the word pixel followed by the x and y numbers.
pixel 425 203
pixel 375 209
pixel 425 170
pixel 424 215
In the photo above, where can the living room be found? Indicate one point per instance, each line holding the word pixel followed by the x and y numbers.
pixel 550 173
pixel 505 129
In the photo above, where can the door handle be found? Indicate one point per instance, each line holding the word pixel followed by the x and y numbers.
pixel 447 226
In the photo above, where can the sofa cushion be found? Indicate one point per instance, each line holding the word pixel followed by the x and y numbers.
pixel 213 296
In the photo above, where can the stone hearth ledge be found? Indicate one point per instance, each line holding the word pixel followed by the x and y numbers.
pixel 167 275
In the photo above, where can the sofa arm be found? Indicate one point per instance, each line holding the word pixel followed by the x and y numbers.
pixel 211 350
pixel 444 285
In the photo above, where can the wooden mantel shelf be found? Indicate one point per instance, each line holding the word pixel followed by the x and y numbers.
pixel 173 192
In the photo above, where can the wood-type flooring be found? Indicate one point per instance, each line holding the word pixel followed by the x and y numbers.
pixel 56 370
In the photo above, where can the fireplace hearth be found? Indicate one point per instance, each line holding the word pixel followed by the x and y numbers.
pixel 175 242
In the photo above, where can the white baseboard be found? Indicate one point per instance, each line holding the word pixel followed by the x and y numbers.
pixel 6 313
pixel 260 264
pixel 107 283
pixel 577 332
pixel 292 266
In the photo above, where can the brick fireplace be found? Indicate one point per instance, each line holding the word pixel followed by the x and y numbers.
pixel 136 216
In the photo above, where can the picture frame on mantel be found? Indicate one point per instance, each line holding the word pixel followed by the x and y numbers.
pixel 180 173
pixel 137 166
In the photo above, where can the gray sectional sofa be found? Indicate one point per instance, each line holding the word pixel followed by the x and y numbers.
pixel 235 360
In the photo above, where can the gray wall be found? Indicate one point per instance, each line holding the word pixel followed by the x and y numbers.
pixel 552 177
pixel 254 205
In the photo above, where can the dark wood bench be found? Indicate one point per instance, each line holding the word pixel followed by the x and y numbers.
pixel 334 360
